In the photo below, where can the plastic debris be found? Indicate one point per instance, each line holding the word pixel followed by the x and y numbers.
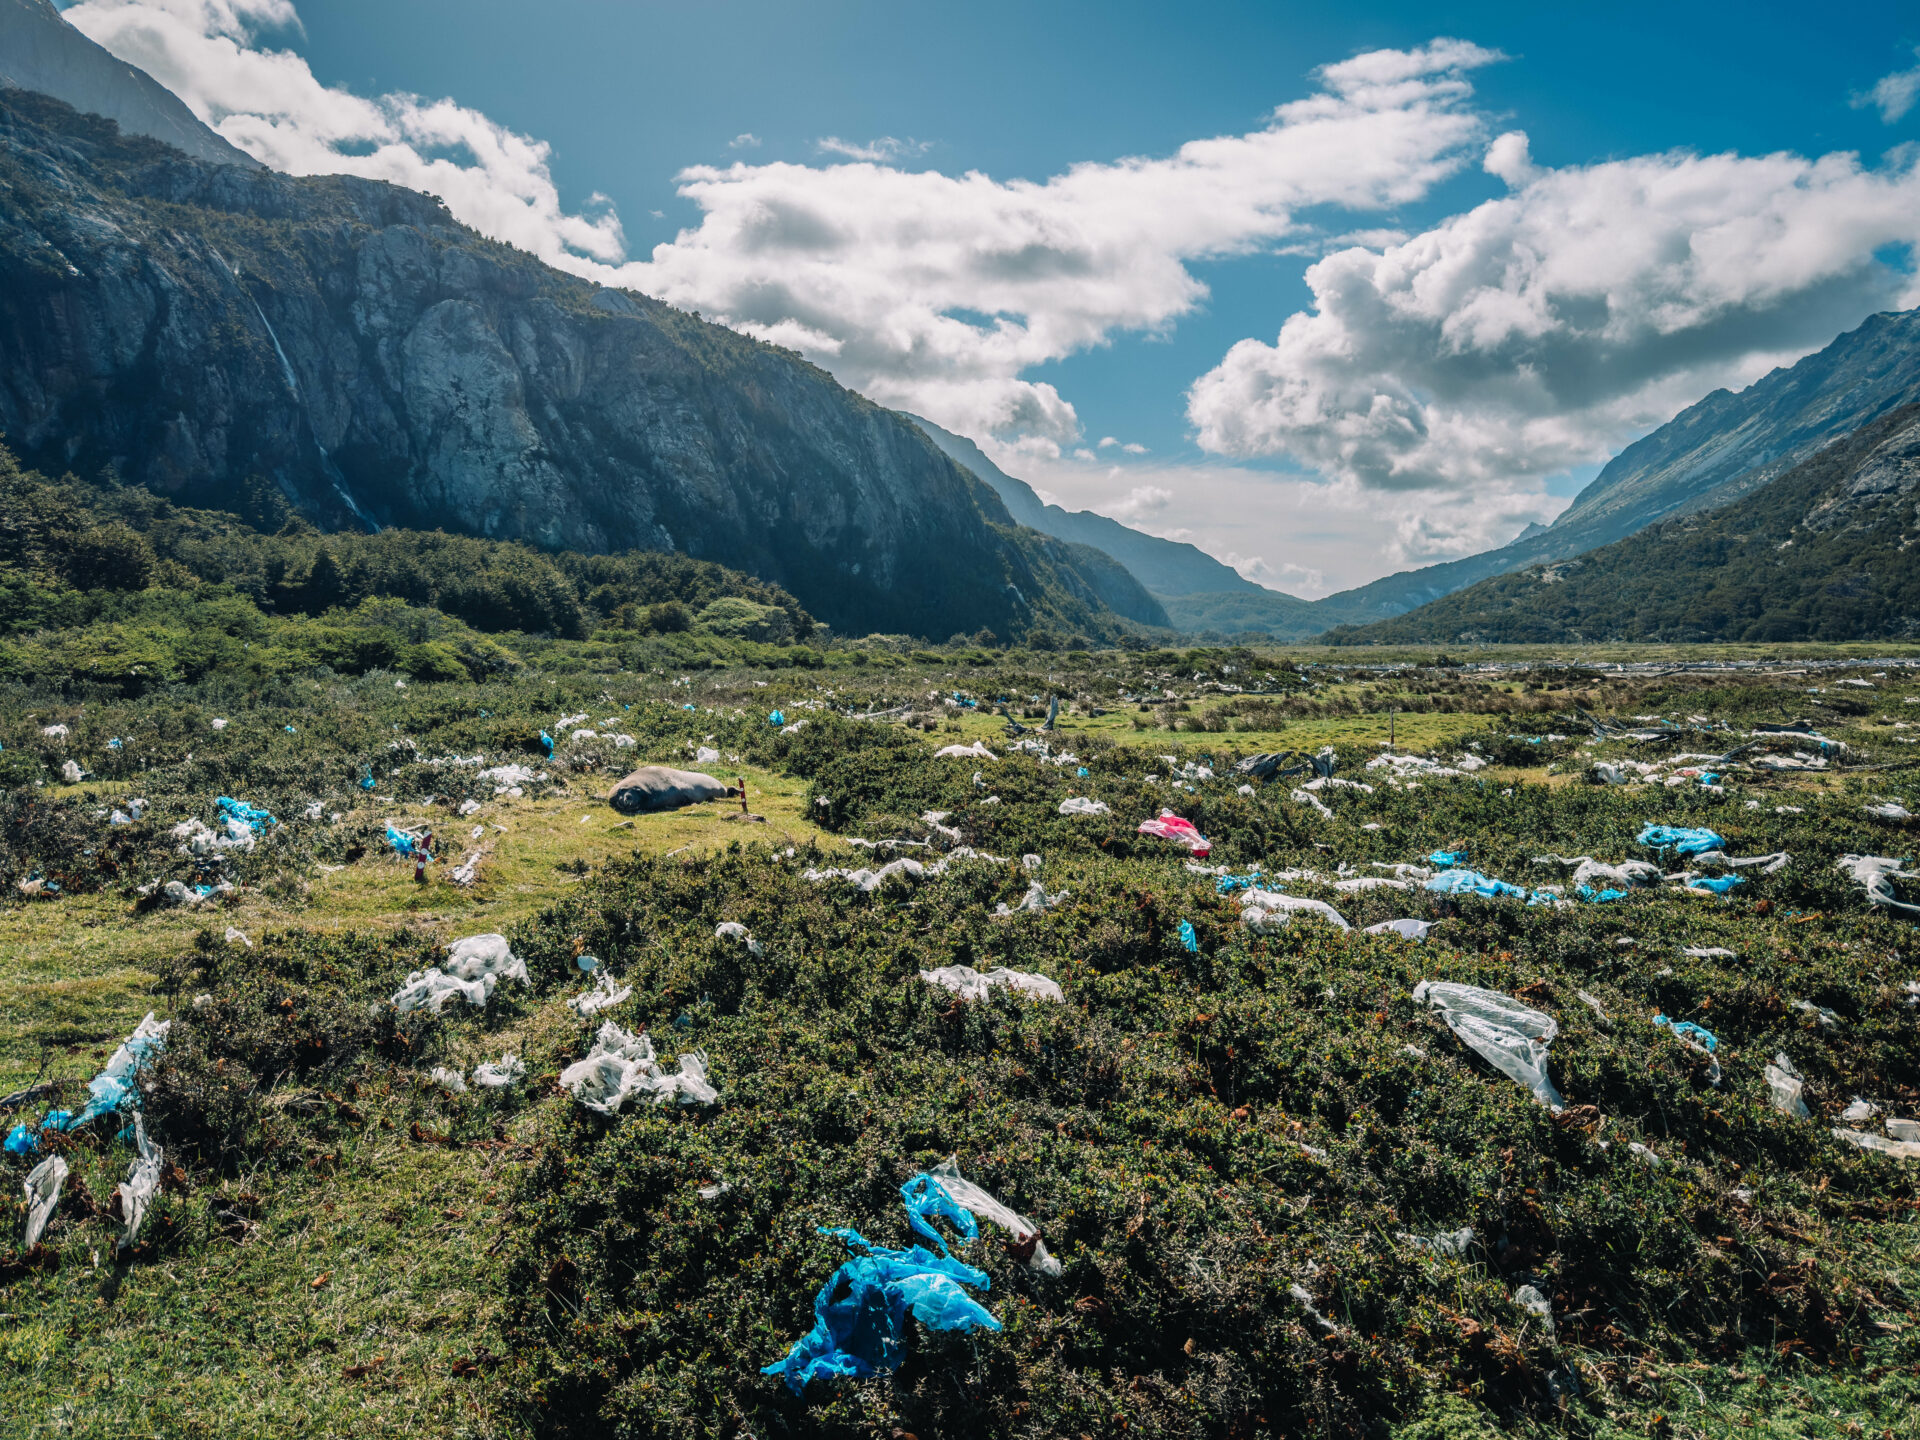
pixel 859 1327
pixel 1903 1129
pixel 1405 929
pixel 1263 911
pixel 1026 1246
pixel 776 718
pixel 1080 805
pixel 1718 884
pixel 1189 941
pixel 1507 1034
pixel 473 967
pixel 1859 1110
pixel 621 1066
pixel 449 1079
pixel 498 1074
pixel 253 817
pixel 1169 826
pixel 43 1186
pixel 236 936
pixel 1448 859
pixel 713 1191
pixel 1680 840
pixel 1472 882
pixel 1886 810
pixel 1787 1087
pixel 1307 797
pixel 22 1141
pixel 142 1183
pixel 971 984
pixel 1707 952
pixel 1899 1149
pixel 976 751
pixel 603 995
pixel 1695 1037
pixel 1875 874
pixel 1036 901
pixel 113 1088
pixel 734 930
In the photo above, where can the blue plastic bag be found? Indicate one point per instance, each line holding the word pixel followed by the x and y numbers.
pixel 1189 941
pixel 546 744
pixel 1227 884
pixel 255 818
pixel 22 1141
pixel 860 1314
pixel 1599 897
pixel 776 718
pixel 1472 882
pixel 1450 859
pixel 401 841
pixel 1719 884
pixel 1687 1030
pixel 1680 839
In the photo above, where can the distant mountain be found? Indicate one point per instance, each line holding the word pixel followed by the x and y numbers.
pixel 40 51
pixel 1726 446
pixel 212 331
pixel 1823 552
pixel 1166 567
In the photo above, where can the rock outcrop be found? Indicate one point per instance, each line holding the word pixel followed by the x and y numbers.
pixel 206 329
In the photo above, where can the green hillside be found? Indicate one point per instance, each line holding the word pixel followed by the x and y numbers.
pixel 1823 553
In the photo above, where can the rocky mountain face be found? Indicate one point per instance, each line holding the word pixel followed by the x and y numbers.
pixel 207 329
pixel 1726 446
pixel 40 51
pixel 1826 551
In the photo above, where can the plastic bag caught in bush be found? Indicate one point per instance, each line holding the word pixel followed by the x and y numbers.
pixel 113 1087
pixel 1510 1036
pixel 1170 826
pixel 142 1183
pixel 1267 910
pixel 971 984
pixel 1681 839
pixel 1081 805
pixel 1787 1087
pixel 621 1066
pixel 1026 1244
pixel 498 1074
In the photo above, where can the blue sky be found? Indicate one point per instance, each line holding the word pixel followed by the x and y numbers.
pixel 1291 485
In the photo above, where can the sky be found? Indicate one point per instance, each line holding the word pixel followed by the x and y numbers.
pixel 1331 295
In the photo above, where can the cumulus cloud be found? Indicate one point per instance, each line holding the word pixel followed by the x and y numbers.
pixel 1539 331
pixel 1141 503
pixel 745 140
pixel 214 55
pixel 1894 95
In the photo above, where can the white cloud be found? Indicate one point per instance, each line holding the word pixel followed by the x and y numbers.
pixel 1142 502
pixel 883 151
pixel 269 104
pixel 1106 441
pixel 745 140
pixel 1134 448
pixel 1894 95
pixel 1541 330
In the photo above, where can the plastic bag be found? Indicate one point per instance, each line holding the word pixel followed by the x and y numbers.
pixel 603 995
pixel 498 1074
pixel 1036 901
pixel 1899 1149
pixel 488 954
pixel 976 751
pixel 43 1186
pixel 1080 805
pixel 976 1202
pixel 1680 839
pixel 1875 874
pixel 1695 1037
pixel 971 984
pixel 621 1066
pixel 1405 929
pixel 113 1088
pixel 255 819
pixel 1508 1035
pixel 1787 1087
pixel 1266 910
pixel 1170 826
pixel 142 1183
pixel 734 930
pixel 1472 882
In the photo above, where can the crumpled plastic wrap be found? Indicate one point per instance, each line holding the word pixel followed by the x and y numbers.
pixel 142 1183
pixel 1509 1035
pixel 43 1186
pixel 1267 910
pixel 971 984
pixel 621 1066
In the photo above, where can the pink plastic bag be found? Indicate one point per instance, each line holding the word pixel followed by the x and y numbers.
pixel 1171 827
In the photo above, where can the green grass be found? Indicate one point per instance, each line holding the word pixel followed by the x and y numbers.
pixel 1152 1125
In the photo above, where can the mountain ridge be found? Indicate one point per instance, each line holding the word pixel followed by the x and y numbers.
pixel 1825 551
pixel 202 327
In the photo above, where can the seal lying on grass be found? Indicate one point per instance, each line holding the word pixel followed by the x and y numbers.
pixel 661 787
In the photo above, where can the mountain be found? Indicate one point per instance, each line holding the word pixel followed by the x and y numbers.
pixel 1823 552
pixel 1726 446
pixel 40 51
pixel 1166 567
pixel 208 329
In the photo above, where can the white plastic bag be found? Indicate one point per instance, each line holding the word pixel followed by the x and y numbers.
pixel 498 1074
pixel 986 1207
pixel 603 995
pixel 43 1186
pixel 621 1066
pixel 1787 1087
pixel 1268 910
pixel 1510 1036
pixel 1405 929
pixel 971 984
pixel 142 1183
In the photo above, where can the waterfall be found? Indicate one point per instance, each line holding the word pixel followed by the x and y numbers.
pixel 326 461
